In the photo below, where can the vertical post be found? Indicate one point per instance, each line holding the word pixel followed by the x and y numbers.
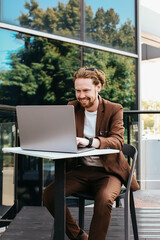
pixel 40 171
pixel 139 52
pixel 128 133
pixel 60 200
pixel 128 129
pixel 82 29
pixel 16 168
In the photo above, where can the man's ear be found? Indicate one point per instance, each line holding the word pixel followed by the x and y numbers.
pixel 99 87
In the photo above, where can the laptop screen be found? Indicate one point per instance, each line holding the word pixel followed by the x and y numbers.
pixel 47 128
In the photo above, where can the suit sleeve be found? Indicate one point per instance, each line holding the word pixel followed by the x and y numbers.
pixel 114 138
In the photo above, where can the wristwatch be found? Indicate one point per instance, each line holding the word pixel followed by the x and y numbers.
pixel 90 142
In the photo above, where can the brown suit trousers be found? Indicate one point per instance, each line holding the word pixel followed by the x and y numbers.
pixel 106 187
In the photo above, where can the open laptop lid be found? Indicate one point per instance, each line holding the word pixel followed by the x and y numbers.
pixel 47 128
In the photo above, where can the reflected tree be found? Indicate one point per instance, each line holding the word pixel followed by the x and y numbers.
pixel 41 72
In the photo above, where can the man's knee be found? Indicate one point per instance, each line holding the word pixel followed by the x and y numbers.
pixel 104 207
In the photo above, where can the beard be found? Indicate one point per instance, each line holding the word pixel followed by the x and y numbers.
pixel 86 102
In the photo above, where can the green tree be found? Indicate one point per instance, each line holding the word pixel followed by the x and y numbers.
pixel 120 76
pixel 103 26
pixel 63 19
pixel 125 37
pixel 46 76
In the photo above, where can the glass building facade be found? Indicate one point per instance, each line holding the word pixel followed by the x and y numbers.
pixel 42 43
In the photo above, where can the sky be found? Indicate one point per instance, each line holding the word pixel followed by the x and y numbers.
pixel 8 44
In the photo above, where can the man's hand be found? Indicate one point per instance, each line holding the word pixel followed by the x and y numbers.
pixel 84 142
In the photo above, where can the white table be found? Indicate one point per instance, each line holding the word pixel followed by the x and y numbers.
pixel 60 172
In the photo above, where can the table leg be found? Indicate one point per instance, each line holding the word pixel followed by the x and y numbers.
pixel 60 200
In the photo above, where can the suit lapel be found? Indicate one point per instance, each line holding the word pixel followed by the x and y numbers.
pixel 79 115
pixel 100 115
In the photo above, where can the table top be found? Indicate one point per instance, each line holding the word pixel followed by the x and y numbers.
pixel 58 155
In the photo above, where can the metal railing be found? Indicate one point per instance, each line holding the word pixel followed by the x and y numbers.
pixel 129 113
pixel 7 108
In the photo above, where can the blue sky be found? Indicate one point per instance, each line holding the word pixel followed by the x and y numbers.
pixel 8 44
pixel 123 7
pixel 11 9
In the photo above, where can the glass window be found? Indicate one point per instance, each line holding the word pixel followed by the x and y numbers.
pixel 36 70
pixel 51 16
pixel 111 23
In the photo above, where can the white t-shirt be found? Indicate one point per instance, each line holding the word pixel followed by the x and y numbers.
pixel 89 131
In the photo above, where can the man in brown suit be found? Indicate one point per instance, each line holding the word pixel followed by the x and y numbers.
pixel 99 124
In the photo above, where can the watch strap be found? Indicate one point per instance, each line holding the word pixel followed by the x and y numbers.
pixel 90 142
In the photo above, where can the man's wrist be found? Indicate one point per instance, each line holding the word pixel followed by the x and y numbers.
pixel 96 142
pixel 90 142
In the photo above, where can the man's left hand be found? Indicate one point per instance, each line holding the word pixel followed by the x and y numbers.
pixel 82 141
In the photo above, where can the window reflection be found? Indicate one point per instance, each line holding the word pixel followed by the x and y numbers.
pixel 111 23
pixel 57 17
pixel 40 71
pixel 120 76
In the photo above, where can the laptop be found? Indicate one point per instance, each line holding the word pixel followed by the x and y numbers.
pixel 48 128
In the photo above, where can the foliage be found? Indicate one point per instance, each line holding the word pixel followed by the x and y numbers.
pixel 151 121
pixel 120 76
pixel 42 71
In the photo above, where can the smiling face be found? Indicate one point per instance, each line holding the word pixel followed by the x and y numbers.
pixel 87 93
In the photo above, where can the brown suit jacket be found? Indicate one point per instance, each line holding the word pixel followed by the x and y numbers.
pixel 109 130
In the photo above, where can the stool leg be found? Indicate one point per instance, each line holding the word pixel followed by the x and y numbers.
pixel 133 217
pixel 127 217
pixel 117 202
